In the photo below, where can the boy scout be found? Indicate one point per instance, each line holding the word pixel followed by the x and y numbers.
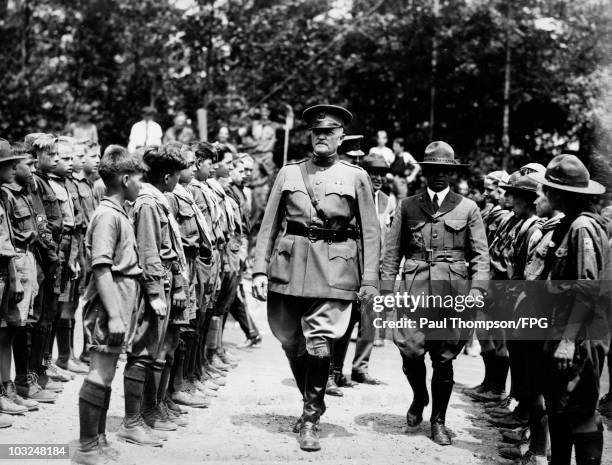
pixel 70 246
pixel 577 267
pixel 23 221
pixel 442 238
pixel 195 244
pixel 163 263
pixel 12 267
pixel 111 300
pixel 313 266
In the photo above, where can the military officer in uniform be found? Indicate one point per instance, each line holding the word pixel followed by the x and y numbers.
pixel 350 149
pixel 307 261
pixel 441 236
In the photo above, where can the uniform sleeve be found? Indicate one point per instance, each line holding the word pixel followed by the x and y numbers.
pixel 269 226
pixel 392 254
pixel 104 234
pixel 370 230
pixel 585 289
pixel 148 238
pixel 478 249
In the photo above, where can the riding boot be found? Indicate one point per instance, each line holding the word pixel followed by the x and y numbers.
pixel 317 372
pixel 416 372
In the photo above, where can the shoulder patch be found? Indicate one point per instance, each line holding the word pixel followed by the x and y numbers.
pixel 588 244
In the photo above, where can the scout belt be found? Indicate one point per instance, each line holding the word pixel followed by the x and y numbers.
pixel 433 255
pixel 315 233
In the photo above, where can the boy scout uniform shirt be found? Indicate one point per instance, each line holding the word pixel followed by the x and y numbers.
pixel 157 255
pixel 52 206
pixel 578 264
pixel 297 266
pixel 22 216
pixel 7 250
pixel 88 200
pixel 46 247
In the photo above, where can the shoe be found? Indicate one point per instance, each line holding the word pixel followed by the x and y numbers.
pixel 230 355
pixel 414 415
pixel 84 358
pixel 29 404
pixel 45 382
pixel 513 452
pixel 138 435
pixel 605 405
pixel 216 377
pixel 5 421
pixel 309 437
pixel 227 360
pixel 155 433
pixel 29 388
pixel 487 396
pixel 216 362
pixel 342 381
pixel 531 459
pixel 364 378
pixel 105 448
pixel 440 435
pixel 475 390
pixel 298 425
pixel 216 373
pixel 174 407
pixel 250 343
pixel 501 408
pixel 189 399
pixel 9 407
pixel 174 417
pixel 157 420
pixel 509 421
pixel 202 388
pixel 56 373
pixel 72 366
pixel 88 457
pixel 332 389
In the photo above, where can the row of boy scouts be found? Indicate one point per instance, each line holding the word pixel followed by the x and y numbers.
pixel 158 262
pixel 327 247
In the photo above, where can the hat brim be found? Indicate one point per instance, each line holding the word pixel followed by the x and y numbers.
pixel 594 188
pixel 438 163
pixel 375 169
pixel 516 189
pixel 345 115
pixel 13 158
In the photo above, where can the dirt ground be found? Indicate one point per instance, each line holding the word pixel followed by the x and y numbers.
pixel 251 420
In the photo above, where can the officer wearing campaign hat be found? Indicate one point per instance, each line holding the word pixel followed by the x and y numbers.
pixel 327 256
pixel 441 238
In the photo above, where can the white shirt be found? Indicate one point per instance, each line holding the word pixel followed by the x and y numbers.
pixel 441 195
pixel 145 134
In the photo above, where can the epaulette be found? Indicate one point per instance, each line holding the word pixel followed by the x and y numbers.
pixel 296 162
pixel 351 165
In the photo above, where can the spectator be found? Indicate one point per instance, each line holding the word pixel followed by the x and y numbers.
pixel 382 149
pixel 83 129
pixel 145 133
pixel 223 137
pixel 181 124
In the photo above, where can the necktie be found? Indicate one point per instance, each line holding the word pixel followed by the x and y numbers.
pixel 435 203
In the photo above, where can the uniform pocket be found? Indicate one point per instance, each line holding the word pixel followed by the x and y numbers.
pixel 280 264
pixel 343 271
pixel 339 188
pixel 455 233
pixel 416 231
pixel 21 217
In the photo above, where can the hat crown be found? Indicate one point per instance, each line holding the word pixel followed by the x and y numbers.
pixel 439 152
pixel 326 116
pixel 374 162
pixel 5 149
pixel 568 170
pixel 524 182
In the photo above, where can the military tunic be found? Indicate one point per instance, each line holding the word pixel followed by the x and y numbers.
pixel 312 283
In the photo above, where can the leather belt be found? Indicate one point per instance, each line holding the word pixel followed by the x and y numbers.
pixel 434 255
pixel 315 233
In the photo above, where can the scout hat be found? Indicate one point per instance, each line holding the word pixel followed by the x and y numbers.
pixel 441 154
pixel 532 168
pixel 6 153
pixel 498 176
pixel 351 146
pixel 326 117
pixel 520 184
pixel 375 163
pixel 568 173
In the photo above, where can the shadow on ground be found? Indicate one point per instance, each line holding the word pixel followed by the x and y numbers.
pixel 284 424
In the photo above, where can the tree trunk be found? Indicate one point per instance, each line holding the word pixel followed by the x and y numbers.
pixel 507 76
pixel 434 66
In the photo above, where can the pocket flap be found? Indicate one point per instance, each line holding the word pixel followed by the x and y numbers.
pixel 21 213
pixel 339 187
pixel 456 225
pixel 346 250
pixel 416 225
pixel 410 266
pixel 459 269
pixel 294 186
pixel 286 245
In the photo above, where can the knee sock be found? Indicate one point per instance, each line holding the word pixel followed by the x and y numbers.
pixel 134 378
pixel 21 352
pixel 92 406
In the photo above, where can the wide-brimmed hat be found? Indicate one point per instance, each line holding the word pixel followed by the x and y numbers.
pixel 326 116
pixel 351 146
pixel 440 153
pixel 375 163
pixel 521 184
pixel 6 153
pixel 532 168
pixel 567 173
pixel 497 176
